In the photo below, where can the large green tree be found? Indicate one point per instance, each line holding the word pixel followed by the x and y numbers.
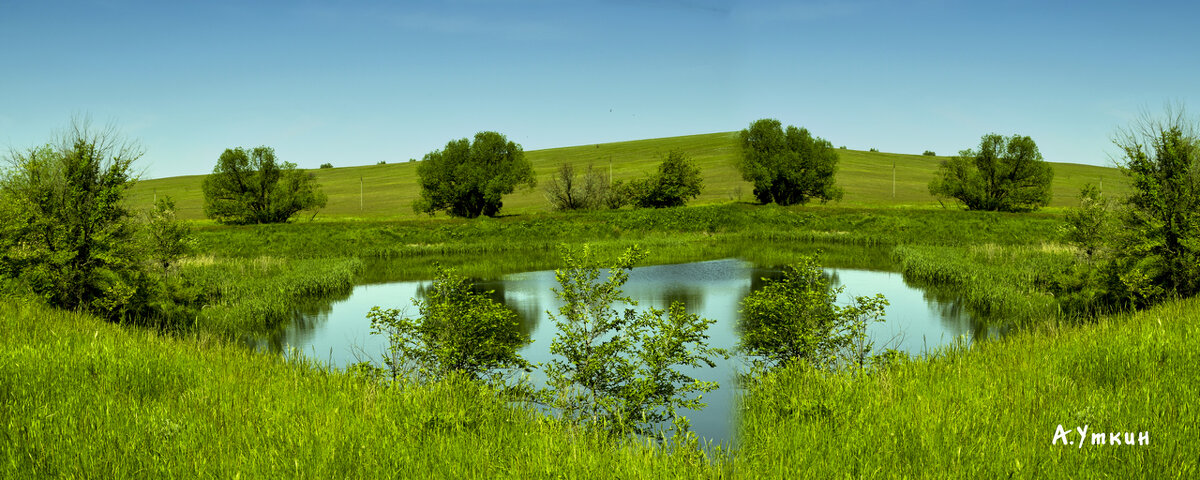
pixel 1006 174
pixel 1158 253
pixel 468 178
pixel 65 232
pixel 787 167
pixel 250 186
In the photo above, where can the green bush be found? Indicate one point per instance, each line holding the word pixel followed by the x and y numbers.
pixel 65 232
pixel 621 370
pixel 796 318
pixel 676 181
pixel 459 331
pixel 326 165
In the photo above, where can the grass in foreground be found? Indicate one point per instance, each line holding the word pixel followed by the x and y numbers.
pixel 82 397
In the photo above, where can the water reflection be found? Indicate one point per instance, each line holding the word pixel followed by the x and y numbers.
pixel 917 319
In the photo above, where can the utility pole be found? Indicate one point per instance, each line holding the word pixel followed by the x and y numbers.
pixel 893 179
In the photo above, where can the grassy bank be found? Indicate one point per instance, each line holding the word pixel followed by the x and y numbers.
pixel 82 397
pixel 992 410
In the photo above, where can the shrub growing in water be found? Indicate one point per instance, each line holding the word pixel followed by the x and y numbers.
pixel 459 331
pixel 621 369
pixel 796 318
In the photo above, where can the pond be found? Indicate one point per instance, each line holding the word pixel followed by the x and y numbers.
pixel 338 333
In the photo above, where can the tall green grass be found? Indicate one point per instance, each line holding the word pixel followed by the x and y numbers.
pixel 83 398
pixel 80 397
pixel 990 410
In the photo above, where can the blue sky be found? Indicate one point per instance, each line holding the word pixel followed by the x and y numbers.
pixel 354 82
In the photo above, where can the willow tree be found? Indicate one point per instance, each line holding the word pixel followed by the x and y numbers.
pixel 250 186
pixel 787 167
pixel 1006 174
pixel 468 178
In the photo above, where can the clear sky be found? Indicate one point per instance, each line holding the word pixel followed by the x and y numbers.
pixel 352 82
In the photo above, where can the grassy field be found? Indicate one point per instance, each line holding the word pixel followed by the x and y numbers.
pixel 389 190
pixel 80 397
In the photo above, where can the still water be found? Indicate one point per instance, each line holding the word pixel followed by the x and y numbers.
pixel 338 333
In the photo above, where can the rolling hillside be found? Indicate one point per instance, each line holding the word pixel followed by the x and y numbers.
pixel 388 190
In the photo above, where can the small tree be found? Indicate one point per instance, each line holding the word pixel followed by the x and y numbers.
pixel 929 153
pixel 67 234
pixel 676 181
pixel 1159 250
pixel 797 319
pixel 564 191
pixel 249 186
pixel 620 369
pixel 789 167
pixel 1089 226
pixel 1006 174
pixel 167 238
pixel 326 165
pixel 468 179
pixel 459 331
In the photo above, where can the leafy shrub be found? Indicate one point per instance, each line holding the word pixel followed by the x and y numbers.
pixel 65 232
pixel 929 153
pixel 326 165
pixel 459 330
pixel 796 318
pixel 621 369
pixel 676 181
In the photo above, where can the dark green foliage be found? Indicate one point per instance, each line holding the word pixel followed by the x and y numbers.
pixel 467 179
pixel 929 153
pixel 1006 174
pixel 621 369
pixel 676 181
pixel 66 234
pixel 249 186
pixel 326 165
pixel 167 238
pixel 873 149
pixel 787 168
pixel 459 331
pixel 1158 253
pixel 381 162
pixel 796 318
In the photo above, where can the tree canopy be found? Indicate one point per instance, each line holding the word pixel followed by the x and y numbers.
pixel 1006 174
pixel 787 167
pixel 468 178
pixel 250 186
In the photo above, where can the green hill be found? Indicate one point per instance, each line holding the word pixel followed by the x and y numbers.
pixel 387 191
